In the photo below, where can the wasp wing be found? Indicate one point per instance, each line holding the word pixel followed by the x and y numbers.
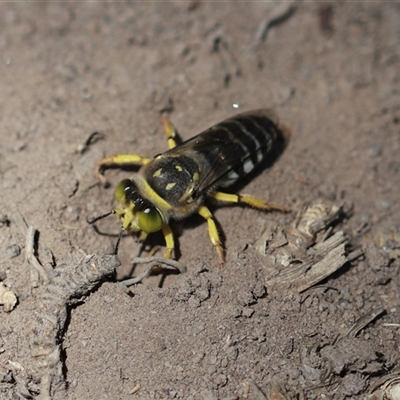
pixel 215 154
pixel 231 148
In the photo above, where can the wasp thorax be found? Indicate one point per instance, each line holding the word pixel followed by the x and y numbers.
pixel 171 177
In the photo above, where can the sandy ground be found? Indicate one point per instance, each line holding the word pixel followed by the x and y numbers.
pixel 332 73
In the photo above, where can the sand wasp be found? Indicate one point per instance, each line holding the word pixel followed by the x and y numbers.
pixel 177 183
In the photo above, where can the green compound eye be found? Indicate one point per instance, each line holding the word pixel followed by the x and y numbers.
pixel 149 220
pixel 121 190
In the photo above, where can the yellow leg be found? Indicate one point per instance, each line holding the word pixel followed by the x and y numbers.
pixel 249 200
pixel 169 240
pixel 170 132
pixel 170 244
pixel 213 232
pixel 118 161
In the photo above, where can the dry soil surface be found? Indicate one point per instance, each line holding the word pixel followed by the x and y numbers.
pixel 241 331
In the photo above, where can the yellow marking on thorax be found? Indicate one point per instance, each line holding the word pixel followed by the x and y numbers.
pixel 186 198
pixel 149 193
pixel 170 186
pixel 157 173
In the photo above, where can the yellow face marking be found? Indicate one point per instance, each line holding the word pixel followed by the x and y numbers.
pixel 179 168
pixel 157 173
pixel 170 186
pixel 196 176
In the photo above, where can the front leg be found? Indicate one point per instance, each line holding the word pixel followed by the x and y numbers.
pixel 169 240
pixel 118 160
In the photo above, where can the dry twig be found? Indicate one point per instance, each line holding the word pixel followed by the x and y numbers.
pixel 153 262
pixel 71 281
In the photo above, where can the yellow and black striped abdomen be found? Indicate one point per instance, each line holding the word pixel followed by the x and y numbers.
pixel 252 138
pixel 233 148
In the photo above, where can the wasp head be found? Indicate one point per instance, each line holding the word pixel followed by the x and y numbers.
pixel 137 213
